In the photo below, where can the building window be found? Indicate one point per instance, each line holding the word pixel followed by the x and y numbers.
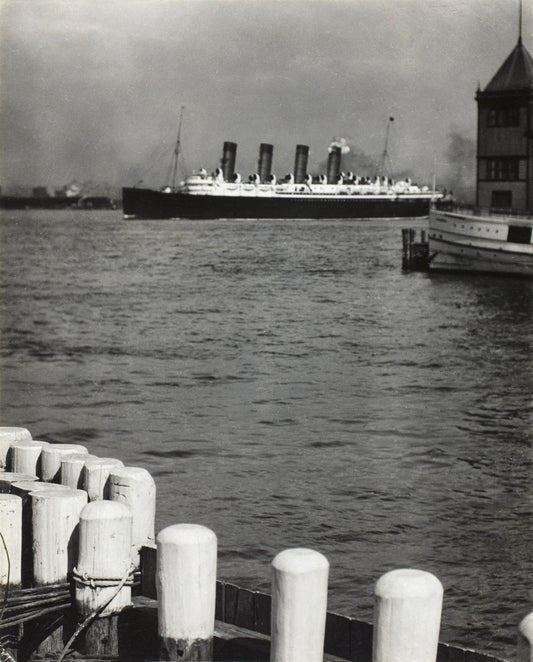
pixel 503 116
pixel 498 170
pixel 501 199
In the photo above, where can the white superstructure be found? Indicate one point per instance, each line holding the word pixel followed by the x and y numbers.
pixel 199 183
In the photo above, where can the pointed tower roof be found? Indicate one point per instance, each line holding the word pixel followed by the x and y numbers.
pixel 516 73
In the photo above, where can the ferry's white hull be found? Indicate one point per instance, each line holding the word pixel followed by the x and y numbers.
pixel 465 242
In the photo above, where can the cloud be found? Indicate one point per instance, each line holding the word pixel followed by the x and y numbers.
pixel 92 89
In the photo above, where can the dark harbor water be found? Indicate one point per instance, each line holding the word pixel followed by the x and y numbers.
pixel 287 385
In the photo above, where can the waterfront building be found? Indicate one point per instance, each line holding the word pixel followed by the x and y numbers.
pixel 505 135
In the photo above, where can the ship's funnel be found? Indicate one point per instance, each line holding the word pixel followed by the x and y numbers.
pixel 228 161
pixel 300 163
pixel 334 164
pixel 264 165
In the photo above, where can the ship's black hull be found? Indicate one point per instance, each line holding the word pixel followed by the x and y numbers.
pixel 149 204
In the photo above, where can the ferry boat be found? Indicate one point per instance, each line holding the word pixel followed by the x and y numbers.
pixel 483 241
pixel 299 195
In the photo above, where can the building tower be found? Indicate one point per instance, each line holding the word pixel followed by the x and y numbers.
pixel 505 135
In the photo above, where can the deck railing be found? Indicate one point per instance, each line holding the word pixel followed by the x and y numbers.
pixel 472 210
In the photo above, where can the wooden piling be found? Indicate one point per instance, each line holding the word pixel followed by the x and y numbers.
pixel 103 562
pixel 408 606
pixel 299 606
pixel 406 248
pixel 55 518
pixel 23 489
pixel 95 476
pixel 186 590
pixel 10 540
pixel 135 487
pixel 51 459
pixel 525 640
pixel 72 469
pixel 26 456
pixel 415 254
pixel 10 569
pixel 7 437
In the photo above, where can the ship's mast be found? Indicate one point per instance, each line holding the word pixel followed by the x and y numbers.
pixel 385 158
pixel 177 148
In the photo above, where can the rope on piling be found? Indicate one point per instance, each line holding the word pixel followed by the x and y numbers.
pixel 103 582
pixel 128 577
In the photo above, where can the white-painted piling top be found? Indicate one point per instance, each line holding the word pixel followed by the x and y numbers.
pixel 77 457
pixel 104 510
pixel 14 434
pixel 299 560
pixel 29 443
pixel 56 492
pixel 9 497
pixel 407 583
pixel 63 449
pixel 38 486
pixel 526 627
pixel 186 534
pixel 93 461
pixel 130 472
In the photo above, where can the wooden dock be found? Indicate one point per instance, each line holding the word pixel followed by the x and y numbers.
pixel 415 251
pixel 83 577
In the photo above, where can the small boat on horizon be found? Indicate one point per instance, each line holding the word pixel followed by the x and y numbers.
pixel 85 202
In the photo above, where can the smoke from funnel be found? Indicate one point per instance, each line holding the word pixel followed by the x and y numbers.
pixel 460 161
pixel 341 143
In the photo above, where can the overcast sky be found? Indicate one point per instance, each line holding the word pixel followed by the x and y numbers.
pixel 91 89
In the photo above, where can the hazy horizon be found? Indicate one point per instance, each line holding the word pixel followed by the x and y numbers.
pixel 92 90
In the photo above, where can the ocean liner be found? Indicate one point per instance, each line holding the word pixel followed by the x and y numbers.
pixel 299 195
